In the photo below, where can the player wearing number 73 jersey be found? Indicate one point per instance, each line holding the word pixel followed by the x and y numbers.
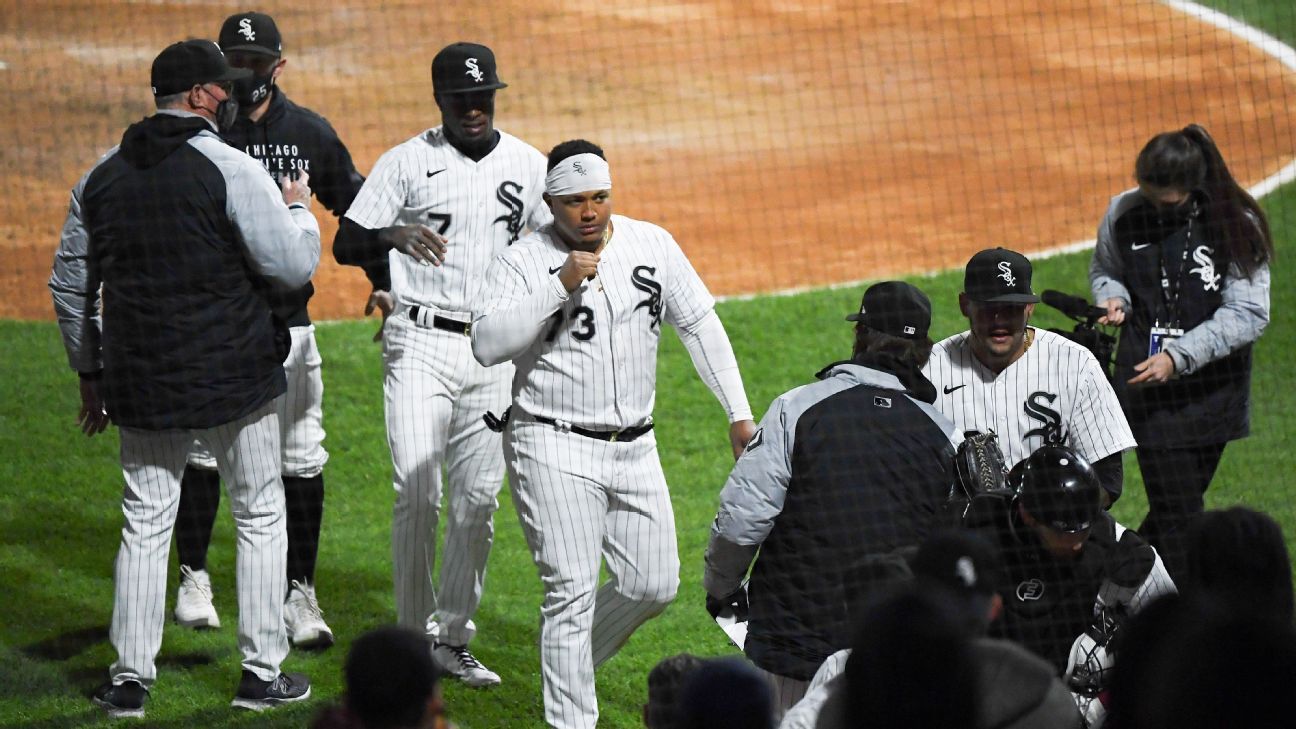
pixel 438 208
pixel 578 306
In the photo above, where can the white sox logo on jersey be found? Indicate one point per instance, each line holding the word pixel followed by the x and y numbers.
pixel 653 303
pixel 245 29
pixel 507 194
pixel 473 71
pixel 1205 268
pixel 1032 589
pixel 1036 409
pixel 1006 273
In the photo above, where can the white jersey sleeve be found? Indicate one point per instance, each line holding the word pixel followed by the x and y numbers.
pixel 517 310
pixel 687 299
pixel 1097 424
pixel 382 196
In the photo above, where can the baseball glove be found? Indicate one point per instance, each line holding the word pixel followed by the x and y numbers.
pixel 981 476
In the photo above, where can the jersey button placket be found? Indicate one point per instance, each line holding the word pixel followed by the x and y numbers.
pixel 613 330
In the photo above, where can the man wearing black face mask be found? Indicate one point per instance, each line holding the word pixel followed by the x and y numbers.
pixel 173 231
pixel 287 139
pixel 435 210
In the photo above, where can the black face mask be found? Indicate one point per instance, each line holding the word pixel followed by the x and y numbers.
pixel 226 114
pixel 1177 214
pixel 253 90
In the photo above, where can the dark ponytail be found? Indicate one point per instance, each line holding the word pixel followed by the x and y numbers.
pixel 1189 160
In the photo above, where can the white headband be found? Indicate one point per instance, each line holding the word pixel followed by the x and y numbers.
pixel 579 173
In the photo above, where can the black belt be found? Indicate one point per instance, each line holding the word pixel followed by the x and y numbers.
pixel 442 322
pixel 614 436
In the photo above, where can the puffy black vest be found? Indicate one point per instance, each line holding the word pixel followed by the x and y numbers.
pixel 187 342
pixel 870 472
pixel 1211 405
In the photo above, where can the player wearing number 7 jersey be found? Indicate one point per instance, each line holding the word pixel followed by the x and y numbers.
pixel 578 306
pixel 434 211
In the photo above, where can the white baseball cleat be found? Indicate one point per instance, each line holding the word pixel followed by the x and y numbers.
pixel 458 661
pixel 194 607
pixel 304 619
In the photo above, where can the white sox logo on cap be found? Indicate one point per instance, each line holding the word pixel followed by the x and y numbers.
pixel 1007 274
pixel 245 29
pixel 965 571
pixel 473 71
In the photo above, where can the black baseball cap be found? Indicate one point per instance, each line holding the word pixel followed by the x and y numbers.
pixel 895 308
pixel 251 33
pixel 999 276
pixel 186 64
pixel 462 68
pixel 959 560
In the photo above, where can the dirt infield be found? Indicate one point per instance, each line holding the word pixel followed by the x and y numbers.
pixel 820 142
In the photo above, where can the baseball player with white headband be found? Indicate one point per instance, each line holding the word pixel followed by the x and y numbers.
pixel 578 306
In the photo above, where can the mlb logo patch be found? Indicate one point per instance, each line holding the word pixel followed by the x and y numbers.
pixel 881 402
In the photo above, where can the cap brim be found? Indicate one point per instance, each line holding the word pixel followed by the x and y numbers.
pixel 1009 299
pixel 854 317
pixel 234 74
pixel 487 87
pixel 250 48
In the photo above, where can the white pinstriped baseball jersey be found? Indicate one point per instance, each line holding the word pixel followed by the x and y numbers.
pixel 480 207
pixel 1055 384
pixel 594 364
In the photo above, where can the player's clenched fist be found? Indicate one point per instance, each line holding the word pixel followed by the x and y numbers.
pixel 298 190
pixel 579 266
pixel 416 241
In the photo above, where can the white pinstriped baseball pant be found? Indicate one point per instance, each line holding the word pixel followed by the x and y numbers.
pixel 247 456
pixel 787 691
pixel 301 411
pixel 579 499
pixel 436 394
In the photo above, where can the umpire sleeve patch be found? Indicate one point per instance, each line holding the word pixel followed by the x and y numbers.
pixel 756 440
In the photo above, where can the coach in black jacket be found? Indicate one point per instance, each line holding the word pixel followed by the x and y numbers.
pixel 153 284
pixel 845 471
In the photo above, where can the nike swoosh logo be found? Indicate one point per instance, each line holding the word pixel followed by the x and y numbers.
pixel 434 174
pixel 949 389
pixel 1139 246
pixel 555 269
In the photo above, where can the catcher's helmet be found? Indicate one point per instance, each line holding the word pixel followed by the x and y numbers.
pixel 1058 488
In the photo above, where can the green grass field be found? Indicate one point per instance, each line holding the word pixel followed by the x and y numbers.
pixel 60 507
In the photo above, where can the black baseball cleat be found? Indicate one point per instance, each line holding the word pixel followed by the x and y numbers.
pixel 258 695
pixel 123 701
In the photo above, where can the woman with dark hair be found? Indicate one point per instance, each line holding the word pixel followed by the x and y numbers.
pixel 1182 264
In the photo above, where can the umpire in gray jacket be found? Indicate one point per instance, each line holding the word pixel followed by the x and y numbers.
pixel 850 469
pixel 169 229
